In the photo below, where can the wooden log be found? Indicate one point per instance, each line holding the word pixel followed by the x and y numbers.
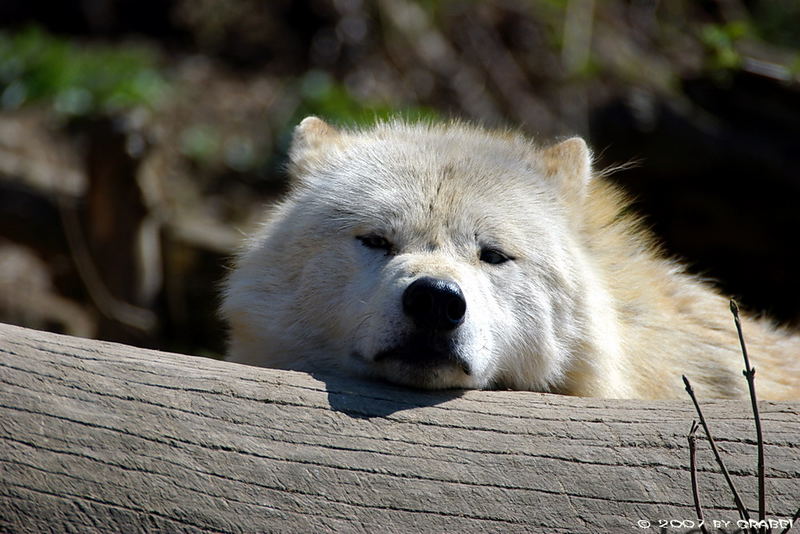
pixel 101 437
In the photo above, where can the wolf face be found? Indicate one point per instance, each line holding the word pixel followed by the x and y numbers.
pixel 447 255
pixel 429 256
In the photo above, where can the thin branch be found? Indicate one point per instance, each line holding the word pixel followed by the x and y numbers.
pixel 743 514
pixel 107 304
pixel 693 470
pixel 750 374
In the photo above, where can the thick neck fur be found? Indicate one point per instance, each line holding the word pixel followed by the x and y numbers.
pixel 669 320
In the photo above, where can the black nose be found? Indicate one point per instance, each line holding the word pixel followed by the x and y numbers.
pixel 434 304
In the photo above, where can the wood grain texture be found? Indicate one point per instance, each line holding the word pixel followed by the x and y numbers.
pixel 100 437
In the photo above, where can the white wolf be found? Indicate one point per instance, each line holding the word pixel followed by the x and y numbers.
pixel 449 256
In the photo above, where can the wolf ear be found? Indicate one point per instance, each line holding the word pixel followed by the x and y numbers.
pixel 310 139
pixel 569 165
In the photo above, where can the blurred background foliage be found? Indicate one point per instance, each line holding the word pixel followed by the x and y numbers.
pixel 40 67
pixel 139 139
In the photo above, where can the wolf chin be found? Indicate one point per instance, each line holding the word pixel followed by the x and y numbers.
pixel 449 256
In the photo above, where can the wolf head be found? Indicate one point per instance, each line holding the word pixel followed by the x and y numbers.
pixel 429 255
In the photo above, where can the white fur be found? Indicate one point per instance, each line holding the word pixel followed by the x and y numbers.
pixel 306 294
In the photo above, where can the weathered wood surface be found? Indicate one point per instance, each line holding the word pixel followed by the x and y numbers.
pixel 100 437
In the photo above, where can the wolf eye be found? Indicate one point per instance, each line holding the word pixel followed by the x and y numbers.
pixel 375 241
pixel 493 256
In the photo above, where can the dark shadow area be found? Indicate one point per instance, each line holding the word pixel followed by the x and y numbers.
pixel 367 398
pixel 717 182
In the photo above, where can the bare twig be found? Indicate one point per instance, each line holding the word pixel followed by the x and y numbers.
pixel 750 374
pixel 743 514
pixel 693 470
pixel 110 306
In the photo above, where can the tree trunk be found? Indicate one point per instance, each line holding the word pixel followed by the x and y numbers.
pixel 100 437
